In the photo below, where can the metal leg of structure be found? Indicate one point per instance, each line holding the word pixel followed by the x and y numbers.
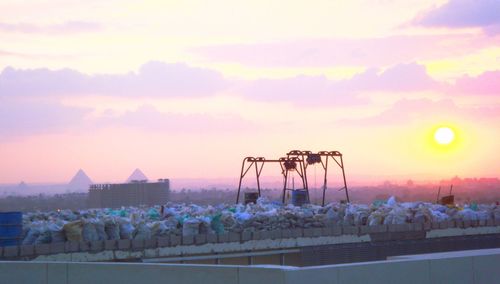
pixel 257 174
pixel 325 181
pixel 345 183
pixel 284 186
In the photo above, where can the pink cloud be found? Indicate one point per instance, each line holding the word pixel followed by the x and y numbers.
pixel 33 118
pixel 153 79
pixel 70 27
pixel 399 78
pixel 336 52
pixel 29 118
pixel 147 117
pixel 318 90
pixel 463 14
pixel 488 83
pixel 405 112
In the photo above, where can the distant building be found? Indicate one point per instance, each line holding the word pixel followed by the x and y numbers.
pixel 134 193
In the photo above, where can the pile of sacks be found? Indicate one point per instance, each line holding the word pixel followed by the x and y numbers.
pixel 190 219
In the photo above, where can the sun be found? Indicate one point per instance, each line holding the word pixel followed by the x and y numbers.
pixel 444 135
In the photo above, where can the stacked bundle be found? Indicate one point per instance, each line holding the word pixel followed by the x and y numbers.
pixel 182 219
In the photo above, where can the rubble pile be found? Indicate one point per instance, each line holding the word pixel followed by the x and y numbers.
pixel 190 219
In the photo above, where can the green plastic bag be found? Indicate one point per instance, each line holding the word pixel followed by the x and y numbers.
pixel 153 214
pixel 216 224
pixel 473 207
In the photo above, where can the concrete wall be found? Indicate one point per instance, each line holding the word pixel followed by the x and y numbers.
pixel 480 266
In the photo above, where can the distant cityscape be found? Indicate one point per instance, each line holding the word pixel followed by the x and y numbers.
pixel 74 195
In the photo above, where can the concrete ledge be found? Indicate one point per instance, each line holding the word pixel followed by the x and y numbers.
pixel 57 248
pixel 25 250
pixel 42 249
pixel 110 245
pixel 11 251
pixel 350 230
pixel 309 232
pixel 151 243
pixel 84 246
pixel 187 240
pixel 175 240
pixel 71 247
pixel 163 242
pixel 137 244
pixel 124 244
pixel 234 237
pixel 479 267
pixel 212 238
pixel 297 233
pixel 200 239
pixel 223 238
pixel 246 236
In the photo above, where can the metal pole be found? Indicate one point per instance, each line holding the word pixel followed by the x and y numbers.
pixel 258 179
pixel 241 178
pixel 325 181
pixel 345 182
pixel 284 186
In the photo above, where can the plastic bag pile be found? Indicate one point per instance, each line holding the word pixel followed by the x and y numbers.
pixel 190 219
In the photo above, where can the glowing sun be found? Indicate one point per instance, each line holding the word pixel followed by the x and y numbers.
pixel 444 135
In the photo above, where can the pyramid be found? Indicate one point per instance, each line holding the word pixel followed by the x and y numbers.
pixel 137 175
pixel 80 181
pixel 22 186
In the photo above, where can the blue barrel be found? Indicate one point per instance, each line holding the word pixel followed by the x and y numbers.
pixel 11 228
pixel 299 197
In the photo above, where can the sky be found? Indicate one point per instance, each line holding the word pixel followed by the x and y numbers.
pixel 187 89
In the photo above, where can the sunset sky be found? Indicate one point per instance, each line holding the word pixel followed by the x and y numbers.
pixel 186 89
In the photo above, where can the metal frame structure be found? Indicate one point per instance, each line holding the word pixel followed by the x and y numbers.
pixel 287 164
pixel 312 158
pixel 301 159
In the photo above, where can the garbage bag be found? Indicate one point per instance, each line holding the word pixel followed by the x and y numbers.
pixel 100 228
pixel 375 218
pixel 468 215
pixel 391 201
pixel 73 231
pixel 395 216
pixel 89 232
pixel 191 227
pixel 56 233
pixel 143 232
pixel 31 236
pixel 127 230
pixel 153 214
pixel 216 224
pixel 112 229
pixel 333 216
pixel 44 237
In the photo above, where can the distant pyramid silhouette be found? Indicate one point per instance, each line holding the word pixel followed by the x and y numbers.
pixel 80 181
pixel 137 175
pixel 22 185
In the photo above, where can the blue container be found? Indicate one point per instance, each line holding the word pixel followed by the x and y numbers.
pixel 9 242
pixel 11 218
pixel 299 197
pixel 11 228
